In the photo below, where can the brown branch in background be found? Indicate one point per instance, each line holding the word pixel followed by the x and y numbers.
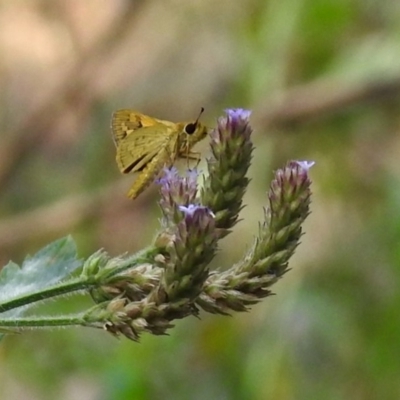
pixel 74 86
pixel 321 99
pixel 61 216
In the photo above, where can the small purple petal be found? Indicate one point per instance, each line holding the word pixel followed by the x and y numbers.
pixel 306 165
pixel 191 176
pixel 190 209
pixel 238 113
pixel 170 175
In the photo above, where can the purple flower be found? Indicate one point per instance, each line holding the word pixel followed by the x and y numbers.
pixel 238 113
pixel 191 178
pixel 172 180
pixel 234 125
pixel 306 165
pixel 191 209
pixel 170 176
pixel 176 190
pixel 231 149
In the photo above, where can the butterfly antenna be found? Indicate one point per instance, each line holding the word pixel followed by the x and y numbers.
pixel 201 112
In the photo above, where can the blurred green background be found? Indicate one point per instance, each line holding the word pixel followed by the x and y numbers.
pixel 323 80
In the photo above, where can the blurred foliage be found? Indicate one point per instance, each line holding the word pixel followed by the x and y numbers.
pixel 332 330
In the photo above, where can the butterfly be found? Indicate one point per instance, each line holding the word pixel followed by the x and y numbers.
pixel 146 145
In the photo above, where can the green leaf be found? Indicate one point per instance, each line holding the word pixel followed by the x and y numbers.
pixel 48 266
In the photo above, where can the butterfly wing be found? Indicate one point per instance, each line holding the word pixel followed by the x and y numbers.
pixel 138 148
pixel 125 122
pixel 150 171
pixel 146 150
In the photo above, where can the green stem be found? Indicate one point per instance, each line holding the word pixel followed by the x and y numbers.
pixel 72 285
pixel 43 322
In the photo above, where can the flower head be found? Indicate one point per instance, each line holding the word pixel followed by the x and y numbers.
pixel 177 190
pixel 238 114
pixel 237 121
pixel 231 148
pixel 192 248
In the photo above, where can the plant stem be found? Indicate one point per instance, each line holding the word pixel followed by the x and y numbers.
pixel 65 287
pixel 43 322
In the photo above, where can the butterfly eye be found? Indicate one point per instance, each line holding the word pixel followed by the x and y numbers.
pixel 190 128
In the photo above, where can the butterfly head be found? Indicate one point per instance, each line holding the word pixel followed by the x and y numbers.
pixel 193 132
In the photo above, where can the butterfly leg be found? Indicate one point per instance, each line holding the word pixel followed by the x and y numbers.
pixel 192 155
